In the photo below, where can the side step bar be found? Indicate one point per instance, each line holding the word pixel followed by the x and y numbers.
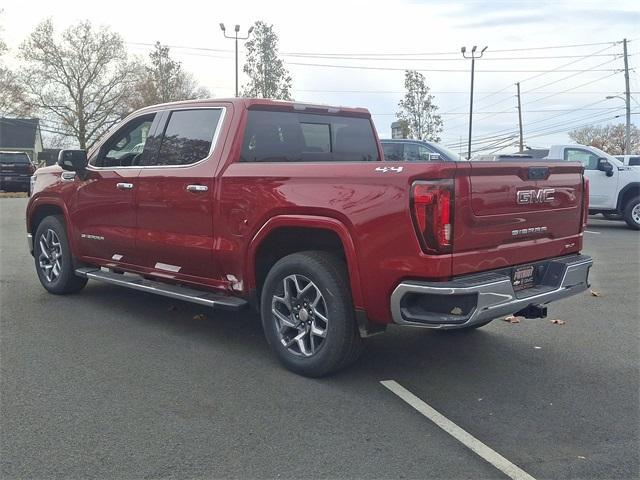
pixel 137 282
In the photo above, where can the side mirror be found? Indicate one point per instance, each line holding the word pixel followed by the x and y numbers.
pixel 73 160
pixel 605 166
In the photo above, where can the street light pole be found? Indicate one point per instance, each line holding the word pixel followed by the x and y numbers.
pixel 473 66
pixel 236 38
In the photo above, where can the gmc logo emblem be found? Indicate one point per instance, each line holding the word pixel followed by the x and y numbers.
pixel 542 195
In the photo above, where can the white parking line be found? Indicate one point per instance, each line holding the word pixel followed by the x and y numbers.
pixel 591 231
pixel 469 441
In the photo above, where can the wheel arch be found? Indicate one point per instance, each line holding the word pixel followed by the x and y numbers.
pixel 295 233
pixel 40 208
pixel 629 191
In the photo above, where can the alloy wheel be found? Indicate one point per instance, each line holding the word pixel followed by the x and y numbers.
pixel 300 314
pixel 635 214
pixel 50 258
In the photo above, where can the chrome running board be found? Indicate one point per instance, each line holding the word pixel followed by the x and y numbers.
pixel 136 282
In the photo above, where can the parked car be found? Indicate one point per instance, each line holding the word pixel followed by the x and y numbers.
pixel 15 171
pixel 629 160
pixel 402 150
pixel 288 208
pixel 614 189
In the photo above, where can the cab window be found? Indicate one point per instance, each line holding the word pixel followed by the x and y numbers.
pixel 187 138
pixel 414 152
pixel 392 152
pixel 589 160
pixel 126 146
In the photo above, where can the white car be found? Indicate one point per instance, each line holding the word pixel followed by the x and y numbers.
pixel 614 188
pixel 629 160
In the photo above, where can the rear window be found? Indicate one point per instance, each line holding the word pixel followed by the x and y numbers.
pixel 14 158
pixel 307 137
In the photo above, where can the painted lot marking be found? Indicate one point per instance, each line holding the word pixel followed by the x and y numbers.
pixel 468 440
pixel 591 231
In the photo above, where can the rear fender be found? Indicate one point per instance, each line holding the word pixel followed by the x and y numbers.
pixel 310 221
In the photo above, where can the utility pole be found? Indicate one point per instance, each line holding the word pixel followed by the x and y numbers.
pixel 236 38
pixel 520 118
pixel 473 66
pixel 627 97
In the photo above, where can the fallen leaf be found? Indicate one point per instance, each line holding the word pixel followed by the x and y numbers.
pixel 557 322
pixel 172 308
pixel 200 317
pixel 511 319
pixel 537 348
pixel 595 293
pixel 581 457
pixel 456 311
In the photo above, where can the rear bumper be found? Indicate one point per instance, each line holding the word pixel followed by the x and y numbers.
pixel 473 299
pixel 15 183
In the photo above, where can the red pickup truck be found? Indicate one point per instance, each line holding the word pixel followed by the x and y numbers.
pixel 291 209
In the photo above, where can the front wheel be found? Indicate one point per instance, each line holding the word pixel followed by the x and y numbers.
pixel 632 213
pixel 307 314
pixel 53 258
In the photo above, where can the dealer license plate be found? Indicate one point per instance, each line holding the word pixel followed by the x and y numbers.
pixel 523 277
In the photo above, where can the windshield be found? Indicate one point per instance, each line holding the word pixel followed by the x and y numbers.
pixel 603 154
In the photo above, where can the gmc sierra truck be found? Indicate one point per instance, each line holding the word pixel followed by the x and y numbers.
pixel 291 209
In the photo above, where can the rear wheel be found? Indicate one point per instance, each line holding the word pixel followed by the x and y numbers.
pixel 53 258
pixel 632 213
pixel 307 314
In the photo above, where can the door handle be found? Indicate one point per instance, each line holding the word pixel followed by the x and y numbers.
pixel 197 188
pixel 124 186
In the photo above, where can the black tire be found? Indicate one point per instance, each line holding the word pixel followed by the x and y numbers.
pixel 52 232
pixel 632 213
pixel 341 344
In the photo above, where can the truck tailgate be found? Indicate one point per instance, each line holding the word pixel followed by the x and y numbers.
pixel 515 212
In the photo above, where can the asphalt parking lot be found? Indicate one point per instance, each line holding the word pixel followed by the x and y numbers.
pixel 111 383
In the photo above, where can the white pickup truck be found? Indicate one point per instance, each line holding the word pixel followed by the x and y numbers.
pixel 614 189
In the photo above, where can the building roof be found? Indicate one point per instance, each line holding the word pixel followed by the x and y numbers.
pixel 19 132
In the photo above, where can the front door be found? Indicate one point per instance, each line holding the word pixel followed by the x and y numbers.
pixel 103 213
pixel 602 189
pixel 175 197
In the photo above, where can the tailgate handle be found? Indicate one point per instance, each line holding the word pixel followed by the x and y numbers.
pixel 538 173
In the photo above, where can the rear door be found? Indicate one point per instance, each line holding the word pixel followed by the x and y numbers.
pixel 511 213
pixel 174 199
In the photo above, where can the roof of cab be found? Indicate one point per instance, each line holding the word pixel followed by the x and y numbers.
pixel 265 103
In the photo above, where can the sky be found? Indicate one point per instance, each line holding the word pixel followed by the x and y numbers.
pixel 561 87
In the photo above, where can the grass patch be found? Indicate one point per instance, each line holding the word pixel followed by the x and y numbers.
pixel 13 195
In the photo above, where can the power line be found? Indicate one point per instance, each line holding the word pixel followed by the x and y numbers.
pixel 378 54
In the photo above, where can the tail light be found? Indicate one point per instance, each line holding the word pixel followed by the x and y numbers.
pixel 432 211
pixel 585 203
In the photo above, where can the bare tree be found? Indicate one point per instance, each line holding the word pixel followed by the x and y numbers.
pixel 610 138
pixel 268 77
pixel 418 110
pixel 79 80
pixel 13 102
pixel 163 80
